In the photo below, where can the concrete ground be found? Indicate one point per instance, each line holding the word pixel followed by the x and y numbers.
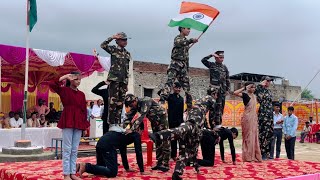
pixel 303 151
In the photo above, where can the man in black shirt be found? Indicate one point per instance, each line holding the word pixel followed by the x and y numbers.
pixel 106 154
pixel 175 114
pixel 104 93
pixel 229 134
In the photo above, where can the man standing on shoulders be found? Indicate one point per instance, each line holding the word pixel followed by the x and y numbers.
pixel 118 78
pixel 290 126
pixel 277 131
pixel 179 67
pixel 219 78
pixel 265 116
pixel 175 114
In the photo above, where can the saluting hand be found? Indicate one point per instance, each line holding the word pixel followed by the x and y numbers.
pixel 116 36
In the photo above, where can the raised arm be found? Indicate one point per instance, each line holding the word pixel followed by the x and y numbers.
pixel 239 92
pixel 205 61
pixel 145 107
pixel 181 42
pixel 96 89
pixel 105 44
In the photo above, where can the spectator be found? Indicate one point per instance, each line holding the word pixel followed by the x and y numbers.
pixel 305 131
pixel 311 121
pixel 277 131
pixel 89 110
pixel 52 115
pixel 41 108
pixel 43 122
pixel 16 121
pixel 97 109
pixel 6 123
pixel 290 126
pixel 33 121
pixel 11 114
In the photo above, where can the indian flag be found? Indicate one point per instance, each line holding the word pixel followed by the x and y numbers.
pixel 195 15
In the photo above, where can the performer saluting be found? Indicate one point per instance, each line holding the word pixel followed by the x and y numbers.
pixel 118 77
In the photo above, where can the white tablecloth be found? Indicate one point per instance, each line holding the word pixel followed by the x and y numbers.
pixel 38 136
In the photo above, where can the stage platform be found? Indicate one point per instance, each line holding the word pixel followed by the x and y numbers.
pixel 276 169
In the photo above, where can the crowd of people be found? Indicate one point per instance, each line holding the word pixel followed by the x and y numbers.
pixel 169 127
pixel 38 116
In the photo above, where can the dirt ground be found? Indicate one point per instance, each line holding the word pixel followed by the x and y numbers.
pixel 303 151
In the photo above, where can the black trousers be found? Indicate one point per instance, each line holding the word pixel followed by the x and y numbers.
pixel 208 149
pixel 289 144
pixel 107 163
pixel 277 138
pixel 105 125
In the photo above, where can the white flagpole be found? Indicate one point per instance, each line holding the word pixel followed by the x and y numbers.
pixel 23 127
pixel 305 87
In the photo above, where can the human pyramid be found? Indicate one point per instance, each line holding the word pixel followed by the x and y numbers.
pixel 196 129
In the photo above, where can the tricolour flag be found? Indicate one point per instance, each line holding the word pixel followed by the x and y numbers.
pixel 195 15
pixel 31 13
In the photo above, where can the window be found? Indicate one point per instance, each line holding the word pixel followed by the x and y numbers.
pixel 147 92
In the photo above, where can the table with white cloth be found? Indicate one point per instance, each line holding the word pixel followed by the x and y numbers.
pixel 38 136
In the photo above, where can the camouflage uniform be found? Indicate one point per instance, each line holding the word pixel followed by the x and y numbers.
pixel 118 77
pixel 178 68
pixel 265 119
pixel 156 114
pixel 219 77
pixel 189 133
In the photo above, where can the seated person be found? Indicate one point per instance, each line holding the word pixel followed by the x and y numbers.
pixel 208 142
pixel 43 122
pixel 106 154
pixel 305 131
pixel 33 121
pixel 229 134
pixel 6 123
pixel 16 121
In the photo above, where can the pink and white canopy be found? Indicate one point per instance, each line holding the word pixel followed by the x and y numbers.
pixel 46 65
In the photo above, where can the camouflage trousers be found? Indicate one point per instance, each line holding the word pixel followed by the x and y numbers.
pixel 162 149
pixel 178 70
pixel 117 93
pixel 189 135
pixel 265 121
pixel 215 117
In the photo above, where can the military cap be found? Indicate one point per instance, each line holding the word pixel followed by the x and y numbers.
pixel 129 99
pixel 177 84
pixel 123 36
pixel 266 78
pixel 212 89
pixel 220 53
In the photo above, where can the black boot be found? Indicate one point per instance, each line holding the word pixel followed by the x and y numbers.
pixel 175 176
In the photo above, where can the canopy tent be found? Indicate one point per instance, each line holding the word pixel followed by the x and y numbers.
pixel 44 66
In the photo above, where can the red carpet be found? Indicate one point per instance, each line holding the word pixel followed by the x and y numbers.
pixel 267 170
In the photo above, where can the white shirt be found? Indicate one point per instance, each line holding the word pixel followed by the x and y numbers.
pixel 96 111
pixel 276 118
pixel 16 124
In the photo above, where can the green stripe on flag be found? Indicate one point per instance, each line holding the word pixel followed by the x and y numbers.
pixel 32 14
pixel 189 23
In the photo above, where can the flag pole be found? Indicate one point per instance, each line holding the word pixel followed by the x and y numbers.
pixel 202 33
pixel 23 127
pixel 305 87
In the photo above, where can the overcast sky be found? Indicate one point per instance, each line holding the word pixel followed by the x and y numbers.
pixel 259 36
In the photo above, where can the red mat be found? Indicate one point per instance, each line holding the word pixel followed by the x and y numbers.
pixel 267 170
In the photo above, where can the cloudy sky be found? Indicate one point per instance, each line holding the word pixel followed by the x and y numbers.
pixel 266 36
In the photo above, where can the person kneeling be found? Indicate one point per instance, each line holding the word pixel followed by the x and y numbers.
pixel 106 154
pixel 209 139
